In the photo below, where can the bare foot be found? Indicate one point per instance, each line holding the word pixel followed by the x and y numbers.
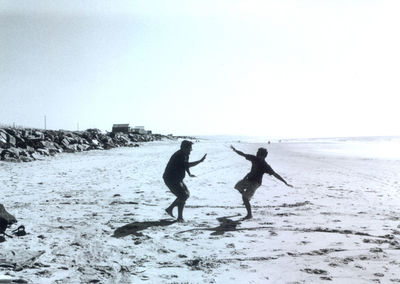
pixel 169 212
pixel 180 220
pixel 248 217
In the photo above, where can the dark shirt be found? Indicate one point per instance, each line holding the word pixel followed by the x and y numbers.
pixel 175 169
pixel 259 167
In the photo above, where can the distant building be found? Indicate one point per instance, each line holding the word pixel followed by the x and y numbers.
pixel 124 128
pixel 139 130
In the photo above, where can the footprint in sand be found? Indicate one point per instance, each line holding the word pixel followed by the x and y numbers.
pixel 272 233
pixel 314 271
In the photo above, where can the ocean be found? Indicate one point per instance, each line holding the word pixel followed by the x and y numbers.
pixel 371 147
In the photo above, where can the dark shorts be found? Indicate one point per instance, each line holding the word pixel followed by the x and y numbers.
pixel 247 188
pixel 178 188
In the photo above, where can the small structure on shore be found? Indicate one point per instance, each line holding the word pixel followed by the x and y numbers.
pixel 124 128
pixel 139 130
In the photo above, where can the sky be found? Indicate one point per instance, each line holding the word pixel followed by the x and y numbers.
pixel 287 69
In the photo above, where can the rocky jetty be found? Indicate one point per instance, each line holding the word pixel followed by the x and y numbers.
pixel 30 144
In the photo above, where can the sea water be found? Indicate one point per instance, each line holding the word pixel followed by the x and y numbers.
pixel 361 147
pixel 377 147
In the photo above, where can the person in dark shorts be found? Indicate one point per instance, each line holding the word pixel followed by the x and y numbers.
pixel 175 173
pixel 249 184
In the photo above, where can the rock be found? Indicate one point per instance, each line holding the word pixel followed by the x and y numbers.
pixel 20 142
pixel 26 145
pixel 95 142
pixel 38 134
pixel 10 154
pixel 10 131
pixel 31 140
pixel 3 138
pixel 65 142
pixel 11 140
pixel 44 152
pixel 47 145
pixel 30 149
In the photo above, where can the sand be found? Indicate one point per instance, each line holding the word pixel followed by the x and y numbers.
pixel 98 217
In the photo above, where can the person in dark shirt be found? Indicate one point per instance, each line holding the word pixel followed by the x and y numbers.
pixel 249 184
pixel 175 173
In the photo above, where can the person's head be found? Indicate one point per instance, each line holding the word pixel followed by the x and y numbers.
pixel 186 146
pixel 262 153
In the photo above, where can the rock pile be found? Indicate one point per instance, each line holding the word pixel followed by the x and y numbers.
pixel 29 144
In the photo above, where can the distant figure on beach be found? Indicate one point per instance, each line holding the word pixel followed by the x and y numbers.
pixel 174 174
pixel 249 184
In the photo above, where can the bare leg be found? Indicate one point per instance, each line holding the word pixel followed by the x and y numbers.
pixel 171 207
pixel 181 205
pixel 248 207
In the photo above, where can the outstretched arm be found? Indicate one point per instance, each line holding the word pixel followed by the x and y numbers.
pixel 192 164
pixel 281 179
pixel 238 152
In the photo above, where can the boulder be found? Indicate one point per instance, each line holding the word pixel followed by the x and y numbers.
pixel 10 131
pixel 44 152
pixel 3 137
pixel 71 148
pixel 29 144
pixel 10 154
pixel 30 149
pixel 94 142
pixel 20 142
pixel 11 140
pixel 31 140
pixel 65 142
pixel 51 146
pixel 38 134
pixel 84 147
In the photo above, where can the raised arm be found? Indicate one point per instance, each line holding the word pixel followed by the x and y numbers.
pixel 238 152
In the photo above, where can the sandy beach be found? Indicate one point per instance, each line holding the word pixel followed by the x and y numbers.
pixel 98 217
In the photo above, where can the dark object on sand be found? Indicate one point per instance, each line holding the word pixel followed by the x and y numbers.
pixel 6 219
pixel 20 231
pixel 3 228
pixel 7 216
pixel 3 225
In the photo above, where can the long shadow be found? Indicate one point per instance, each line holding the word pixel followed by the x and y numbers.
pixel 135 227
pixel 225 225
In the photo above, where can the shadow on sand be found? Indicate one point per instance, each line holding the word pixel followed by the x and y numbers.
pixel 135 227
pixel 225 225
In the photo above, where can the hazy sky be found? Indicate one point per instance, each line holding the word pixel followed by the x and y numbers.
pixel 272 68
